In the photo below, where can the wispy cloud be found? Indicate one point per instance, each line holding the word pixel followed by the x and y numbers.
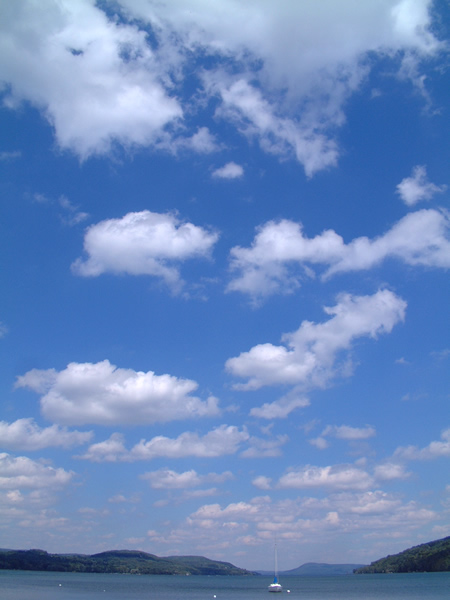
pixel 12 155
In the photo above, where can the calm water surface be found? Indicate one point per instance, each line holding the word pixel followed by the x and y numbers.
pixel 30 585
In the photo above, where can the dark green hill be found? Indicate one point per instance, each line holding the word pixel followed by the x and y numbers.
pixel 430 557
pixel 116 561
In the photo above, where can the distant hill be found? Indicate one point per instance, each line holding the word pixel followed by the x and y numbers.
pixel 116 561
pixel 430 557
pixel 322 569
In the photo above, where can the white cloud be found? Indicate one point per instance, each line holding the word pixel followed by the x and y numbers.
pixel 346 432
pixel 96 80
pixel 103 394
pixel 281 408
pixel 229 171
pixel 263 448
pixel 435 449
pixel 372 503
pixel 221 441
pixel 342 432
pixel 389 471
pixel 25 434
pixel 3 330
pixel 143 243
pixel 319 442
pixel 339 477
pixel 262 482
pixel 255 116
pixel 169 480
pixel 18 473
pixel 310 355
pixel 111 450
pixel 416 188
pixel 419 238
pixel 201 142
pixel 294 65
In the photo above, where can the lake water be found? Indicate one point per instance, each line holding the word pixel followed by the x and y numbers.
pixel 31 585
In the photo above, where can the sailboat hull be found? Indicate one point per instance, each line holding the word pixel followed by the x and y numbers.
pixel 275 587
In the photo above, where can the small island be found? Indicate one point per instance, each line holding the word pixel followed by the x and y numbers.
pixel 431 557
pixel 116 561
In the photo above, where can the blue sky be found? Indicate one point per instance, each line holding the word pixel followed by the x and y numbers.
pixel 225 251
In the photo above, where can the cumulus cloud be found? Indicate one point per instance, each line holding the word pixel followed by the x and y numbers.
pixel 111 450
pixel 102 80
pixel 418 239
pixel 143 243
pixel 416 188
pixel 264 448
pixel 17 473
pixel 342 432
pixel 339 477
pixel 25 434
pixel 435 449
pixel 221 441
pixel 96 80
pixel 310 356
pixel 103 394
pixel 229 171
pixel 262 482
pixel 389 471
pixel 168 480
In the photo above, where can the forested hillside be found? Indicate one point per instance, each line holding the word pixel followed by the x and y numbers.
pixel 431 557
pixel 116 561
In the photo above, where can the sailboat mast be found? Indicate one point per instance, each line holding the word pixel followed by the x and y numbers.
pixel 276 563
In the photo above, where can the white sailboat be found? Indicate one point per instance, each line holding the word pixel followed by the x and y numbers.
pixel 275 586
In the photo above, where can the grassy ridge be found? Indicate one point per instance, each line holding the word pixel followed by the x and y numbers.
pixel 116 561
pixel 430 557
